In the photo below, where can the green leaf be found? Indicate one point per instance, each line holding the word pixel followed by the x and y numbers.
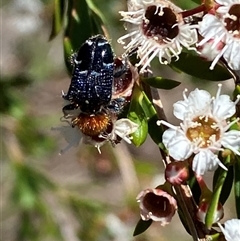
pixel 155 131
pixel 198 67
pixel 68 51
pixel 161 83
pixel 83 21
pixel 183 220
pixel 210 216
pixel 227 185
pixel 137 115
pixel 98 19
pixel 194 186
pixel 142 226
pixel 237 185
pixel 147 105
pixel 197 1
pixel 187 4
pixel 77 30
pixel 58 16
pixel 236 92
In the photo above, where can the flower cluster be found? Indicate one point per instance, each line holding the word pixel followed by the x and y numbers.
pixel 101 87
pixel 157 29
pixel 220 30
pixel 160 28
pixel 204 130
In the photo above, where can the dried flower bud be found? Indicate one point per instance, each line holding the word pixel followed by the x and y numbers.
pixel 157 205
pixel 176 173
pixel 123 83
pixel 203 208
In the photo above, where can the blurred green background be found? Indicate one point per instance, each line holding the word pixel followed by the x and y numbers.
pixel 81 195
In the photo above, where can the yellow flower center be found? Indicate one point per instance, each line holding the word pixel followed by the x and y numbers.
pixel 204 132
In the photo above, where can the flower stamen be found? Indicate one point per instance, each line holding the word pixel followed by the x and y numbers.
pixel 203 132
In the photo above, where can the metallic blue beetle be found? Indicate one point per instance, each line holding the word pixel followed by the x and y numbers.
pixel 92 77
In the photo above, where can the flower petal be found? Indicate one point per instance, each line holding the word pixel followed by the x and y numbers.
pixel 232 55
pixel 231 140
pixel 231 230
pixel 204 161
pixel 123 128
pixel 210 27
pixel 179 147
pixel 196 103
pixel 223 107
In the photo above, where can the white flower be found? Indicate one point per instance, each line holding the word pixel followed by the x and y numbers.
pixel 121 129
pixel 156 28
pixel 231 230
pixel 203 131
pixel 223 28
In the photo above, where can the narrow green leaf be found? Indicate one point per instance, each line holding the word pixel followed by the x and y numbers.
pixel 78 28
pixel 97 24
pixel 97 13
pixel 68 51
pixel 182 217
pixel 155 131
pixel 236 92
pixel 83 21
pixel 197 1
pixel 187 4
pixel 227 185
pixel 137 115
pixel 194 186
pixel 198 67
pixel 237 185
pixel 147 105
pixel 142 226
pixel 161 83
pixel 214 237
pixel 209 220
pixel 58 16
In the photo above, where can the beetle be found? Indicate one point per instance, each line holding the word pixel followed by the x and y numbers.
pixel 92 78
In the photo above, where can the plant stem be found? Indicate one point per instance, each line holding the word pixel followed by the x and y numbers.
pixel 183 192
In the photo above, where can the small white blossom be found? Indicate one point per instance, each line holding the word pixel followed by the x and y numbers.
pixel 223 29
pixel 156 28
pixel 231 229
pixel 123 128
pixel 203 131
